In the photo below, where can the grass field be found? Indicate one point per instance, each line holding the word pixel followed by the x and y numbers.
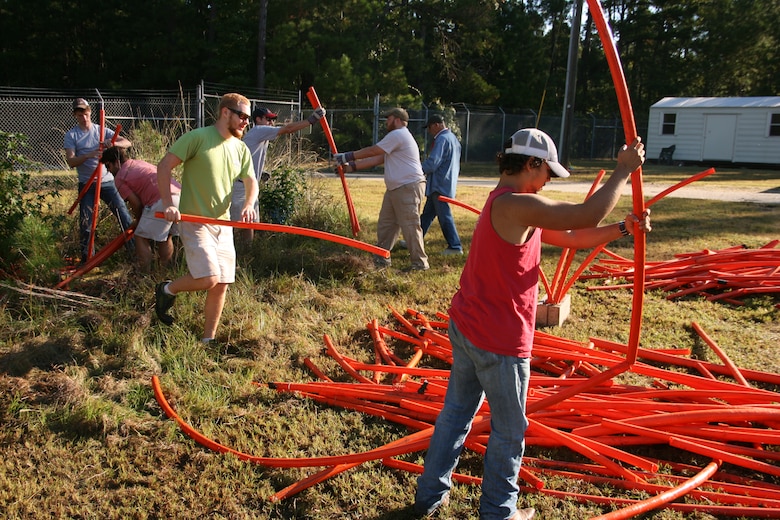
pixel 81 435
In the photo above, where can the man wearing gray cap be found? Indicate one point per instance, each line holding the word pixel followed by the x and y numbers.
pixel 405 183
pixel 82 151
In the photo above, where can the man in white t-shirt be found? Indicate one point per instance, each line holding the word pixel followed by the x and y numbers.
pixel 257 140
pixel 405 182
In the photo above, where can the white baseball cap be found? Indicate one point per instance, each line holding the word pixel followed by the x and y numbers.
pixel 535 143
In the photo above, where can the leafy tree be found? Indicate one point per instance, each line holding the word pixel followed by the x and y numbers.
pixel 511 52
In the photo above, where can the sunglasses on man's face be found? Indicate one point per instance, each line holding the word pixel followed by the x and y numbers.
pixel 241 115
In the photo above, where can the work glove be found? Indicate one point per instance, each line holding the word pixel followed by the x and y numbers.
pixel 347 167
pixel 315 116
pixel 344 158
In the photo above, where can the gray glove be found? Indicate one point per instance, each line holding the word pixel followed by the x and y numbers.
pixel 343 158
pixel 315 116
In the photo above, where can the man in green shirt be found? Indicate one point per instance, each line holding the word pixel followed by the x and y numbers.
pixel 213 158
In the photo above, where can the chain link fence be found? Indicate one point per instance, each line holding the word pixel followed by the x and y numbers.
pixel 44 116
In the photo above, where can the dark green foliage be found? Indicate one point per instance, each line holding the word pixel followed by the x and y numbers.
pixel 281 194
pixel 16 202
pixel 511 53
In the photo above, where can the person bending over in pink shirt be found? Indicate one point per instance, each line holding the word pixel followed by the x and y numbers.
pixel 137 184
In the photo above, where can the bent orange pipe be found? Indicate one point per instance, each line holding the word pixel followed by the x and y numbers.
pixel 721 354
pixel 315 102
pixel 411 443
pixel 99 257
pixel 663 498
pixel 280 228
pixel 463 205
pixel 637 197
pixel 679 185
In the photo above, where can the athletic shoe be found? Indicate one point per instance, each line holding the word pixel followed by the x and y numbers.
pixel 415 268
pixel 381 262
pixel 162 302
pixel 452 251
pixel 524 514
pixel 428 512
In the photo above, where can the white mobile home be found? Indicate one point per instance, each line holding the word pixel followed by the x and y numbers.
pixel 727 129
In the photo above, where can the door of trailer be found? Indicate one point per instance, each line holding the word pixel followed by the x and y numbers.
pixel 719 133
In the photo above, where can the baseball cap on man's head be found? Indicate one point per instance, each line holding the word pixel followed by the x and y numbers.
pixel 535 143
pixel 80 104
pixel 263 112
pixel 398 112
pixel 434 119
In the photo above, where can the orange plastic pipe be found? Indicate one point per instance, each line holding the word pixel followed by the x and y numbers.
pixel 411 443
pixel 315 369
pixel 99 257
pixel 629 127
pixel 679 185
pixel 567 256
pixel 280 228
pixel 98 182
pixel 315 102
pixel 336 355
pixel 449 200
pixel 721 354
pixel 662 498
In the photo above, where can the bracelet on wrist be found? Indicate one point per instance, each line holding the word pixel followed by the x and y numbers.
pixel 622 228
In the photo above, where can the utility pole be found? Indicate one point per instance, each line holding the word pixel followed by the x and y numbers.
pixel 571 85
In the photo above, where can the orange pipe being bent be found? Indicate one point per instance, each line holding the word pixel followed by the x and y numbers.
pixel 280 228
pixel 315 102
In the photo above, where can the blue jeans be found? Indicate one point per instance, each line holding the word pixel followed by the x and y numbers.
pixel 477 374
pixel 434 208
pixel 110 195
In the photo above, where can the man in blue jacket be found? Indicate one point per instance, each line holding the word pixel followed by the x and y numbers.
pixel 441 168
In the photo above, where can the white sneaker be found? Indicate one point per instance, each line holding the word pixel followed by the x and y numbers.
pixel 524 514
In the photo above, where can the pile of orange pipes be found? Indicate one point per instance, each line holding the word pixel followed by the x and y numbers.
pixel 723 275
pixel 638 439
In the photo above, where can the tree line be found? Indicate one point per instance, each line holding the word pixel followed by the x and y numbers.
pixel 508 53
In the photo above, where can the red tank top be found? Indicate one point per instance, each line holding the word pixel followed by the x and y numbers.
pixel 495 307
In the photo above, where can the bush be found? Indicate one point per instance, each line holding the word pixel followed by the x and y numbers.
pixel 16 203
pixel 280 194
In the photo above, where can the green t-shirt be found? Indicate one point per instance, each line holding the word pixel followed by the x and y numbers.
pixel 211 165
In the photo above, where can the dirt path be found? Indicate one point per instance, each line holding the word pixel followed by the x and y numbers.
pixel 692 191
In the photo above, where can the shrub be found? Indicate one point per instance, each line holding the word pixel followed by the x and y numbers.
pixel 16 203
pixel 280 194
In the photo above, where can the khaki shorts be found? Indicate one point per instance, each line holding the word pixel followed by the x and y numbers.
pixel 157 229
pixel 209 250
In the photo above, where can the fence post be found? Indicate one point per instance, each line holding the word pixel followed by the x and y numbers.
pixel 200 91
pixel 375 124
pixel 503 125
